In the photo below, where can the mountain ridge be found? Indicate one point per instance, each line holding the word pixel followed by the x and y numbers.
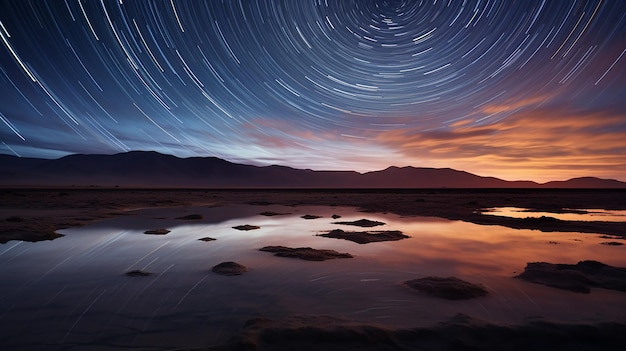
pixel 153 169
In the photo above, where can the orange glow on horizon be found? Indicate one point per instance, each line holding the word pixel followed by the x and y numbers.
pixel 539 145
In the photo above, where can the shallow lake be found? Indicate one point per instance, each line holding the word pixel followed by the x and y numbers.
pixel 72 292
pixel 565 215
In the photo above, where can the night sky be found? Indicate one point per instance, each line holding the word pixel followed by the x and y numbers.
pixel 514 89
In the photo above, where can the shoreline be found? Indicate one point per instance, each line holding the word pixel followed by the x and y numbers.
pixel 460 332
pixel 34 214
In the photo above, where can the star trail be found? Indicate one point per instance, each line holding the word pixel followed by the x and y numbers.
pixel 515 89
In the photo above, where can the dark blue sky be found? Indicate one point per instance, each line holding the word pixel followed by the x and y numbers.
pixel 514 89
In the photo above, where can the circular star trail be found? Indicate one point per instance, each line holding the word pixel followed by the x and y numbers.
pixel 318 83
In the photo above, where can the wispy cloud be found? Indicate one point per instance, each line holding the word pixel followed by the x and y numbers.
pixel 542 144
pixel 286 143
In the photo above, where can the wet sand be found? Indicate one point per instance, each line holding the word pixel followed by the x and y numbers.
pixel 35 214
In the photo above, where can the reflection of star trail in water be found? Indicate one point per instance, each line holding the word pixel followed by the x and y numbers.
pixel 321 84
pixel 89 300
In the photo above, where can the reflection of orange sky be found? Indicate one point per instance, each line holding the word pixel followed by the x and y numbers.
pixel 455 247
pixel 590 215
pixel 435 246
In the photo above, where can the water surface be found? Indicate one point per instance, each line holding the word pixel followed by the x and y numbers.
pixel 565 214
pixel 73 292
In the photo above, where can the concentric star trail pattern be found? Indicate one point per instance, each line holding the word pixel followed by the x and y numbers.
pixel 515 89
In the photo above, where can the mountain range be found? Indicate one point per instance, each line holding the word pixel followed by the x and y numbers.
pixel 152 169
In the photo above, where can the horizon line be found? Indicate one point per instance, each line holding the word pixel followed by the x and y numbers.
pixel 317 170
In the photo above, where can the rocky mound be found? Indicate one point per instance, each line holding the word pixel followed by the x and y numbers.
pixel 451 288
pixel 578 277
pixel 305 253
pixel 366 223
pixel 229 268
pixel 160 231
pixel 138 273
pixel 246 227
pixel 308 216
pixel 365 237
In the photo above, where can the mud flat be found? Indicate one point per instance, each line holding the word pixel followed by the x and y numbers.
pixel 459 333
pixel 580 277
pixel 42 211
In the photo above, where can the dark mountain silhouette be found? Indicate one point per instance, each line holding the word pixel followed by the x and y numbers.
pixel 152 169
pixel 586 182
pixel 412 177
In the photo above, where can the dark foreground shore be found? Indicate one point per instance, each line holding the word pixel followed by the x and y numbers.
pixel 460 333
pixel 35 214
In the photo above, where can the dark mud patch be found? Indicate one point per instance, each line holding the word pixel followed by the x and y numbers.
pixel 271 213
pixel 190 217
pixel 305 253
pixel 160 231
pixel 246 227
pixel 367 236
pixel 541 220
pixel 229 268
pixel 30 236
pixel 138 273
pixel 451 288
pixel 31 229
pixel 14 219
pixel 580 277
pixel 366 223
pixel 308 216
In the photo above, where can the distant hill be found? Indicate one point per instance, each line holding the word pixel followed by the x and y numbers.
pixel 152 169
pixel 585 182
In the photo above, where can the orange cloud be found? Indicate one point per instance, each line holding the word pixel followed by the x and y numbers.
pixel 539 145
